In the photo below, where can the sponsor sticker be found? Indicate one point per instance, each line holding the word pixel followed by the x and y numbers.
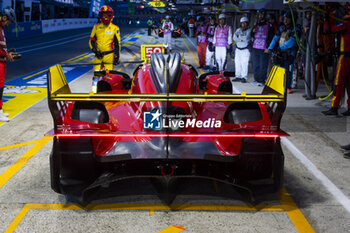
pixel 147 50
pixel 157 120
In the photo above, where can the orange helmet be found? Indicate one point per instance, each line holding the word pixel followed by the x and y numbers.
pixel 106 14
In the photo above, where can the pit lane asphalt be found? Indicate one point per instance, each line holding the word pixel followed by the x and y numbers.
pixel 137 208
pixel 36 53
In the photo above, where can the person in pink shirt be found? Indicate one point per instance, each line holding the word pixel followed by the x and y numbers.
pixel 222 42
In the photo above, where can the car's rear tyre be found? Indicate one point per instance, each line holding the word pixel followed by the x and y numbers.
pixel 265 161
pixel 71 162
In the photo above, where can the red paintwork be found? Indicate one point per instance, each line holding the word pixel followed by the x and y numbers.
pixel 127 117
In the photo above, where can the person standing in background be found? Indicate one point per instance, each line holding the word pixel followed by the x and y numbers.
pixel 342 74
pixel 209 55
pixel 150 26
pixel 243 38
pixel 222 42
pixel 201 41
pixel 168 28
pixel 285 41
pixel 105 43
pixel 7 16
pixel 105 40
pixel 263 33
pixel 191 27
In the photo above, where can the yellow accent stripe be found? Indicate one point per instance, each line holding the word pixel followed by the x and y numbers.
pixel 22 102
pixel 172 229
pixel 127 44
pixel 194 58
pixel 133 58
pixel 204 96
pixel 172 100
pixel 216 187
pixel 121 68
pixel 18 219
pixel 19 145
pixel 342 44
pixel 149 207
pixel 294 213
pixel 35 74
pixel 287 204
pixel 153 207
pixel 67 61
pixel 336 79
pixel 340 61
pixel 334 97
pixel 77 57
pixel 11 171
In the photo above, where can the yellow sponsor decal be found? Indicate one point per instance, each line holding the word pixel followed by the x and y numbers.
pixel 148 49
pixel 173 229
pixel 18 102
pixel 157 4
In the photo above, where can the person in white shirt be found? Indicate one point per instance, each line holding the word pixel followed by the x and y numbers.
pixel 222 42
pixel 209 55
pixel 243 39
pixel 168 28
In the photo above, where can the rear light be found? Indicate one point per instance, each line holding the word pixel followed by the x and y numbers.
pixel 175 135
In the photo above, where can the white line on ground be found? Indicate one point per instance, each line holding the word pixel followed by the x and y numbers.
pixel 327 183
pixel 189 39
pixel 53 45
pixel 49 42
pixel 44 98
pixel 5 123
pixel 334 190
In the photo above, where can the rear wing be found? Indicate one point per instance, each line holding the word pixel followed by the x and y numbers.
pixel 274 91
pixel 273 96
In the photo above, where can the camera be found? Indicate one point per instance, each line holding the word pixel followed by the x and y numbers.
pixel 16 56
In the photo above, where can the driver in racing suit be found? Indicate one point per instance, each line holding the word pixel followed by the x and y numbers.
pixel 343 67
pixel 7 16
pixel 105 40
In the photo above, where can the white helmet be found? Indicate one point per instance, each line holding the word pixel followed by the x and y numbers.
pixel 244 19
pixel 10 13
pixel 222 16
pixel 167 17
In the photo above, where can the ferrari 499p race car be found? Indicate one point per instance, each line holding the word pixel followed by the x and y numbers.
pixel 165 122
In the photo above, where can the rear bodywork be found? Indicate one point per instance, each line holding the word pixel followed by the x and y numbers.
pixel 205 131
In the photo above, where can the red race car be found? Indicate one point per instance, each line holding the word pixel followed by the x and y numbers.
pixel 165 121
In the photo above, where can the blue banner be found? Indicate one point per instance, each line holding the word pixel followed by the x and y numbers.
pixel 23 29
pixel 95 8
